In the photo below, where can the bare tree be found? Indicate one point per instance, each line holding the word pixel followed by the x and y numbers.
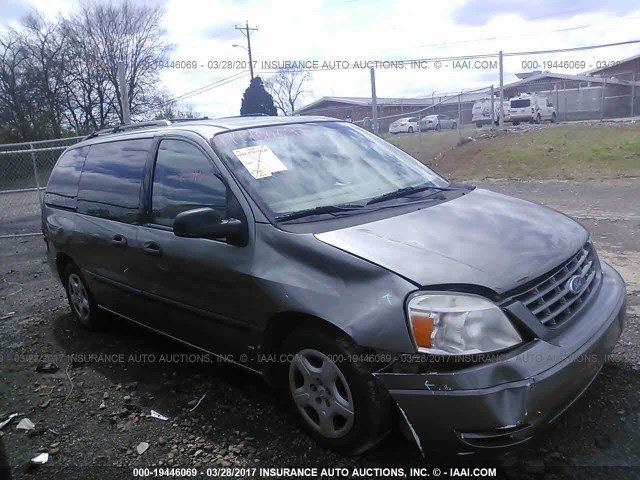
pixel 61 76
pixel 287 87
pixel 16 122
pixel 167 109
pixel 101 34
pixel 44 45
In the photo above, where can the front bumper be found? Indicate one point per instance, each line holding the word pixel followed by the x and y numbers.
pixel 504 403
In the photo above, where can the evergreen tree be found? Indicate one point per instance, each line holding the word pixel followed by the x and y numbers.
pixel 257 100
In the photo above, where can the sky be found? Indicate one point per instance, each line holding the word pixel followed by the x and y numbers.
pixel 350 33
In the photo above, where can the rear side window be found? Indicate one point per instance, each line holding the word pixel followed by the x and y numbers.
pixel 184 179
pixel 111 180
pixel 62 188
pixel 520 103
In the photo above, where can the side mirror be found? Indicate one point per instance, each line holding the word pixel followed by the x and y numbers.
pixel 206 223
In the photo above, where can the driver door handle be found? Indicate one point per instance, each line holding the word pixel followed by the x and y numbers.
pixel 119 240
pixel 152 248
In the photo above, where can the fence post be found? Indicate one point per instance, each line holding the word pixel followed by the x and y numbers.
pixel 35 171
pixel 493 111
pixel 460 117
pixel 604 89
pixel 633 93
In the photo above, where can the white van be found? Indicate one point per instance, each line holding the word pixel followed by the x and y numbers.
pixel 532 108
pixel 481 111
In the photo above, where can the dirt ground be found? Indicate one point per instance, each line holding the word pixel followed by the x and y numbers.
pixel 93 413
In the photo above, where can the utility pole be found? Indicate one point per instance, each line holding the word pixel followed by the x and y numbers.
pixel 374 101
pixel 501 91
pixel 124 94
pixel 246 31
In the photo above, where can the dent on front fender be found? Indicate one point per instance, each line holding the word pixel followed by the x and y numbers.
pixel 366 301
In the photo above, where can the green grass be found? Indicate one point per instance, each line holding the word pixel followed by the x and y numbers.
pixel 564 152
pixel 427 145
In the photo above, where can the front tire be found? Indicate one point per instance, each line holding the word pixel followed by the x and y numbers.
pixel 438 127
pixel 410 129
pixel 332 393
pixel 454 125
pixel 553 118
pixel 81 300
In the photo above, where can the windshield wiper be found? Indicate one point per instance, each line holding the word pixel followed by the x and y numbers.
pixel 323 210
pixel 401 192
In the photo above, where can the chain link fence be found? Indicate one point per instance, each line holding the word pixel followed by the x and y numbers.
pixel 24 172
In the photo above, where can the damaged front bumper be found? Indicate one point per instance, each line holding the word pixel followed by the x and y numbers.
pixel 505 402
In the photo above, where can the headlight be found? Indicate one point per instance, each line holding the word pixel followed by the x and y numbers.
pixel 459 324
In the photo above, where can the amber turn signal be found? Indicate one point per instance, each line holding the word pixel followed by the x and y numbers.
pixel 422 329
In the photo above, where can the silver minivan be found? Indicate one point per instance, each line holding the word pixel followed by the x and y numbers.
pixel 361 284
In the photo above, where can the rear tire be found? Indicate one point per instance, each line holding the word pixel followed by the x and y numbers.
pixel 331 392
pixel 553 118
pixel 83 305
pixel 454 125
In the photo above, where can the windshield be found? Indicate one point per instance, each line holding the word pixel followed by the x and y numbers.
pixel 520 103
pixel 298 167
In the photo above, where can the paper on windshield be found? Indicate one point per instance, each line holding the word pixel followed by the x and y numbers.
pixel 259 160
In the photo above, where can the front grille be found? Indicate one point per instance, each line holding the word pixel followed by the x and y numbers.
pixel 551 300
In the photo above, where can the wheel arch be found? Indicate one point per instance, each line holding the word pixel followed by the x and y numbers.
pixel 282 324
pixel 62 260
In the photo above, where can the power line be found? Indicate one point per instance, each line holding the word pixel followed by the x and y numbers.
pixel 517 35
pixel 471 57
pixel 206 88
pixel 432 59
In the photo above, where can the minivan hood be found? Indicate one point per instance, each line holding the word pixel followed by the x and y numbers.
pixel 481 238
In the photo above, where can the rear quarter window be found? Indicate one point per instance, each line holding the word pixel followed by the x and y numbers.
pixel 62 188
pixel 112 179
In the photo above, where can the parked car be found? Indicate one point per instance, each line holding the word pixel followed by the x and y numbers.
pixel 532 108
pixel 350 276
pixel 481 112
pixel 404 125
pixel 437 122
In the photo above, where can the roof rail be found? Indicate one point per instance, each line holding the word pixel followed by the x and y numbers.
pixel 129 126
pixel 174 120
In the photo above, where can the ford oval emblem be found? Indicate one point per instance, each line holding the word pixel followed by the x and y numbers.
pixel 576 284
